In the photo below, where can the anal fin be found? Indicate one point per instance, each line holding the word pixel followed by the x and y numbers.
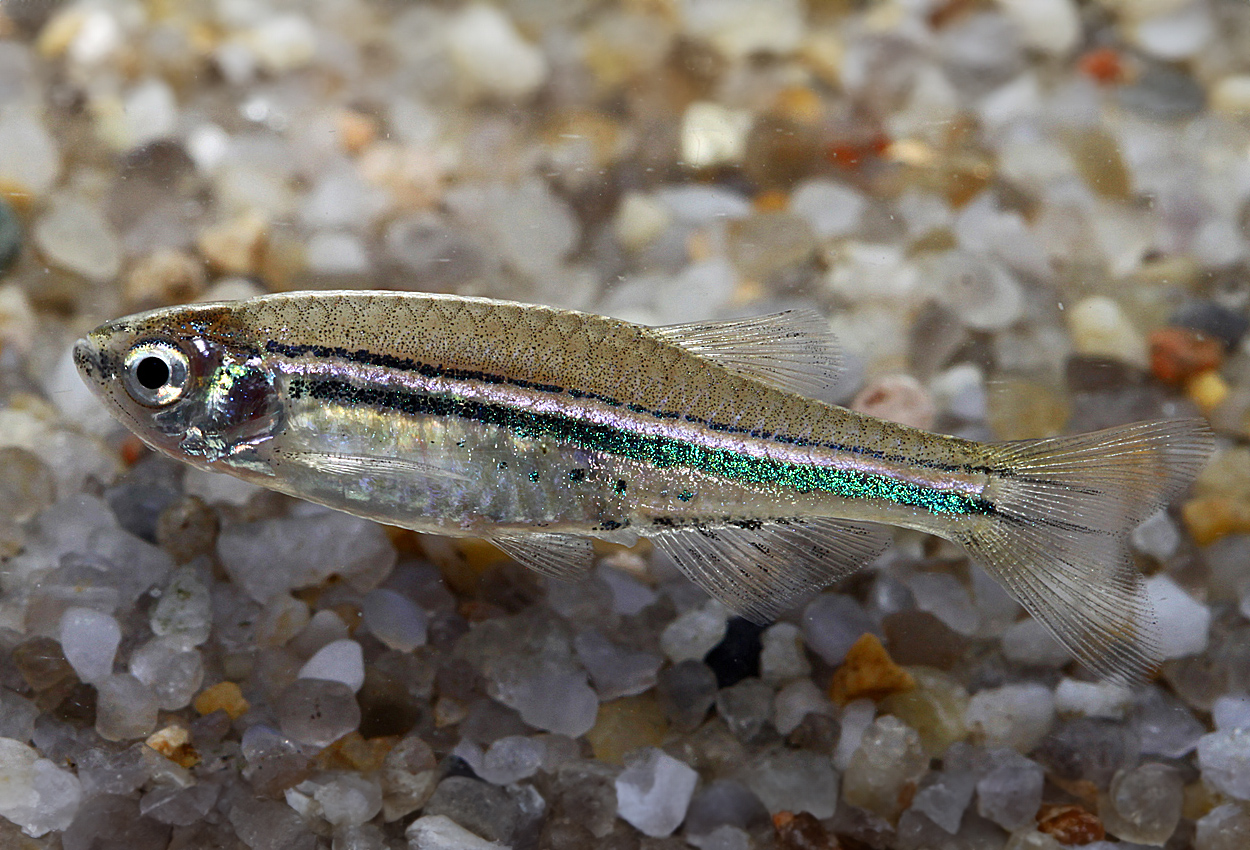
pixel 562 556
pixel 760 570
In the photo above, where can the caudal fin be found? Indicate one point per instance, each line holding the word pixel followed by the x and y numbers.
pixel 1062 508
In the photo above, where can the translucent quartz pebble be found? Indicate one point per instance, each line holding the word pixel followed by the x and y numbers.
pixel 797 700
pixel 794 781
pixel 35 794
pixel 1052 26
pixel 125 708
pixel 687 690
pixel 492 56
pixel 480 807
pixel 629 595
pixel 943 797
pixel 1089 749
pixel 1028 642
pixel 338 797
pixel 177 806
pixel 1231 712
pixel 1091 699
pixel 183 612
pixel 89 640
pixel 174 674
pixel 1016 716
pixel 1184 623
pixel 77 238
pixel 745 707
pixel 438 832
pixel 981 292
pixel 832 623
pixel 781 655
pixel 317 712
pixel 898 398
pixel 277 555
pixel 395 619
pixel 29 157
pixel 615 670
pixel 889 757
pixel 724 802
pixel 1144 804
pixel 654 791
pixel 337 661
pixel 857 716
pixel 554 700
pixel 1157 537
pixel 831 209
pixel 511 759
pixel 740 28
pixel 1224 757
pixel 693 634
pixel 1225 827
pixel 269 823
pixel 946 598
pixel 1010 791
pixel 17 715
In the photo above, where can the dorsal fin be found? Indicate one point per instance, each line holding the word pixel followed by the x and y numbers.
pixel 760 570
pixel 794 350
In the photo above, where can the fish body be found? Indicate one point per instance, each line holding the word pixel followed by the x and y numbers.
pixel 539 428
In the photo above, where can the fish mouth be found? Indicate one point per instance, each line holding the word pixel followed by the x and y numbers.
pixel 87 358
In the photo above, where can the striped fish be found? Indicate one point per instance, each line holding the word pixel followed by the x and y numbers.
pixel 540 428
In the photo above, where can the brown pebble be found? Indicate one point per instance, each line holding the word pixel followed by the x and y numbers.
pixel 163 278
pixel 354 752
pixel 1178 354
pixel 920 639
pixel 236 246
pixel 1208 518
pixel 801 831
pixel 1070 825
pixel 174 743
pixel 870 672
pixel 223 696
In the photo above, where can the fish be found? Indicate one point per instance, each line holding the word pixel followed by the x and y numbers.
pixel 541 429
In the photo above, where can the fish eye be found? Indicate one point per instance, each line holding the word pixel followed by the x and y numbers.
pixel 155 373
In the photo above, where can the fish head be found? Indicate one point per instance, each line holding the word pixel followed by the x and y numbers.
pixel 188 381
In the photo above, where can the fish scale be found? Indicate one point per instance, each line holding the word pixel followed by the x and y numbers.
pixel 541 428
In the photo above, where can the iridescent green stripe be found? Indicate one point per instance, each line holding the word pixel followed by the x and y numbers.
pixel 661 452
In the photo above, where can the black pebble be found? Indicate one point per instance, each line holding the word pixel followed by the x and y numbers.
pixel 737 656
pixel 1213 320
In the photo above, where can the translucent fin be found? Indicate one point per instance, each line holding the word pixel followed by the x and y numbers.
pixel 794 350
pixel 362 466
pixel 765 569
pixel 562 556
pixel 1064 506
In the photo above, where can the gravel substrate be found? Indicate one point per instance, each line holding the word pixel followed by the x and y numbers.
pixel 1023 218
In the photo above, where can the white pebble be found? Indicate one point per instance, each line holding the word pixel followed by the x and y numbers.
pixel 439 832
pixel 511 759
pixel 1157 537
pixel 945 597
pixel 693 634
pixel 1231 95
pixel 831 209
pixel 1224 757
pixel 739 28
pixel 857 716
pixel 1052 26
pixel 1028 642
pixel 639 220
pixel 89 640
pixel 1231 711
pixel 1099 328
pixel 174 674
pixel 75 237
pixel 283 42
pixel 125 708
pixel 1176 35
pixel 782 657
pixel 29 156
pixel 1091 699
pixel 654 791
pixel 151 113
pixel 183 612
pixel 395 619
pixel 1184 623
pixel 337 661
pixel 35 794
pixel 1016 716
pixel 712 134
pixel 797 700
pixel 492 55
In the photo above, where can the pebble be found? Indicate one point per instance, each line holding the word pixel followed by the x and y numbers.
pixel 173 672
pixel 781 654
pixel 269 823
pixel 946 598
pixel 739 28
pixel 1183 622
pixel 856 718
pixel 493 57
pixel 10 235
pixel 1163 724
pixel 1175 35
pixel 337 661
pixel 511 759
pixel 936 708
pixel 640 220
pixel 223 696
pixel 557 701
pixel 1231 712
pixel 654 791
pixel 787 780
pixel 1100 328
pixel 686 691
pixel 889 760
pixel 89 640
pixel 693 634
pixel 615 670
pixel 1015 716
pixel 832 623
pixel 830 209
pixel 1074 825
pixel 29 157
pixel 982 293
pixel 394 619
pixel 1224 757
pixel 317 712
pixel 1089 749
pixel 75 237
pixel 745 707
pixel 626 724
pixel 897 398
pixel 1225 827
pixel 1158 537
pixel 944 796
pixel 868 673
pixel 1028 642
pixel 712 134
pixel 125 708
pixel 721 803
pixel 1010 791
pixel 1051 26
pixel 1231 95
pixel 478 806
pixel 1144 804
pixel 797 700
pixel 438 832
pixel 36 794
pixel 341 798
pixel 1091 699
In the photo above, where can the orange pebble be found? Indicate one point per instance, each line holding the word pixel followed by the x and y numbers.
pixel 1178 354
pixel 223 696
pixel 1070 825
pixel 1102 64
pixel 868 671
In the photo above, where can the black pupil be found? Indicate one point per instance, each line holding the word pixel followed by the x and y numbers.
pixel 152 373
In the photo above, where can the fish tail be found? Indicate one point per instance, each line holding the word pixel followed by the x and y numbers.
pixel 1054 535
